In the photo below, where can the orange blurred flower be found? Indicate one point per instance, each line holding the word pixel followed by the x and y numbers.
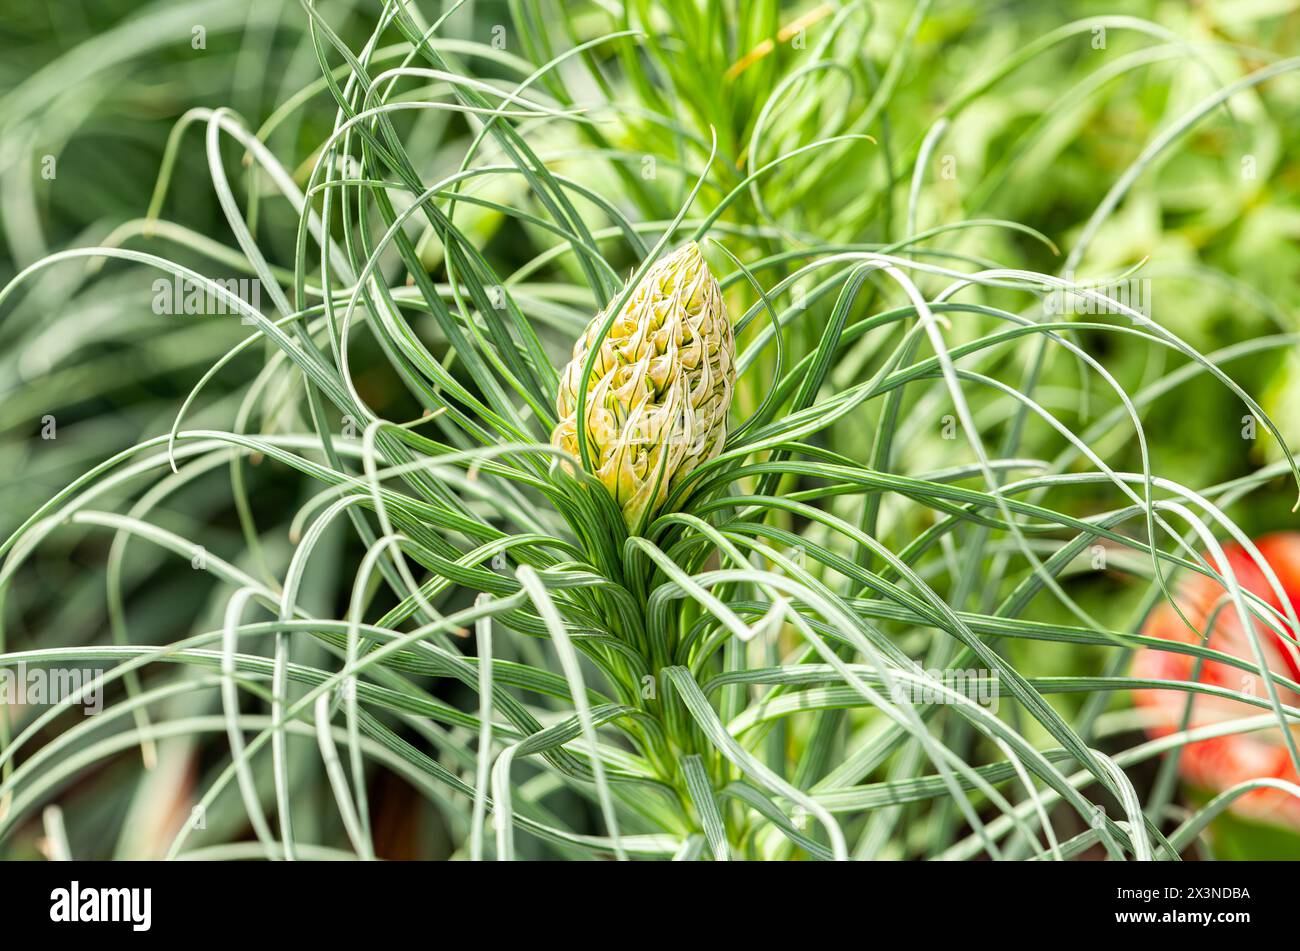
pixel 1218 764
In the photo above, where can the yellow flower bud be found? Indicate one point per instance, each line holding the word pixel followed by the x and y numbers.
pixel 660 388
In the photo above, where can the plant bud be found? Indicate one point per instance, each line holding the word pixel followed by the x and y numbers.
pixel 660 388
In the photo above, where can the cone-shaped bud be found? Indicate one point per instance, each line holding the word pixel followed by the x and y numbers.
pixel 660 388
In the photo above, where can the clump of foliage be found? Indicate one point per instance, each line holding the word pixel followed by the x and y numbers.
pixel 614 611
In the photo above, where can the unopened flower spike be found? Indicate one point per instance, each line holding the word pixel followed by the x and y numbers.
pixel 660 388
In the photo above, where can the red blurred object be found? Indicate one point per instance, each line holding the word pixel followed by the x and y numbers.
pixel 1221 763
